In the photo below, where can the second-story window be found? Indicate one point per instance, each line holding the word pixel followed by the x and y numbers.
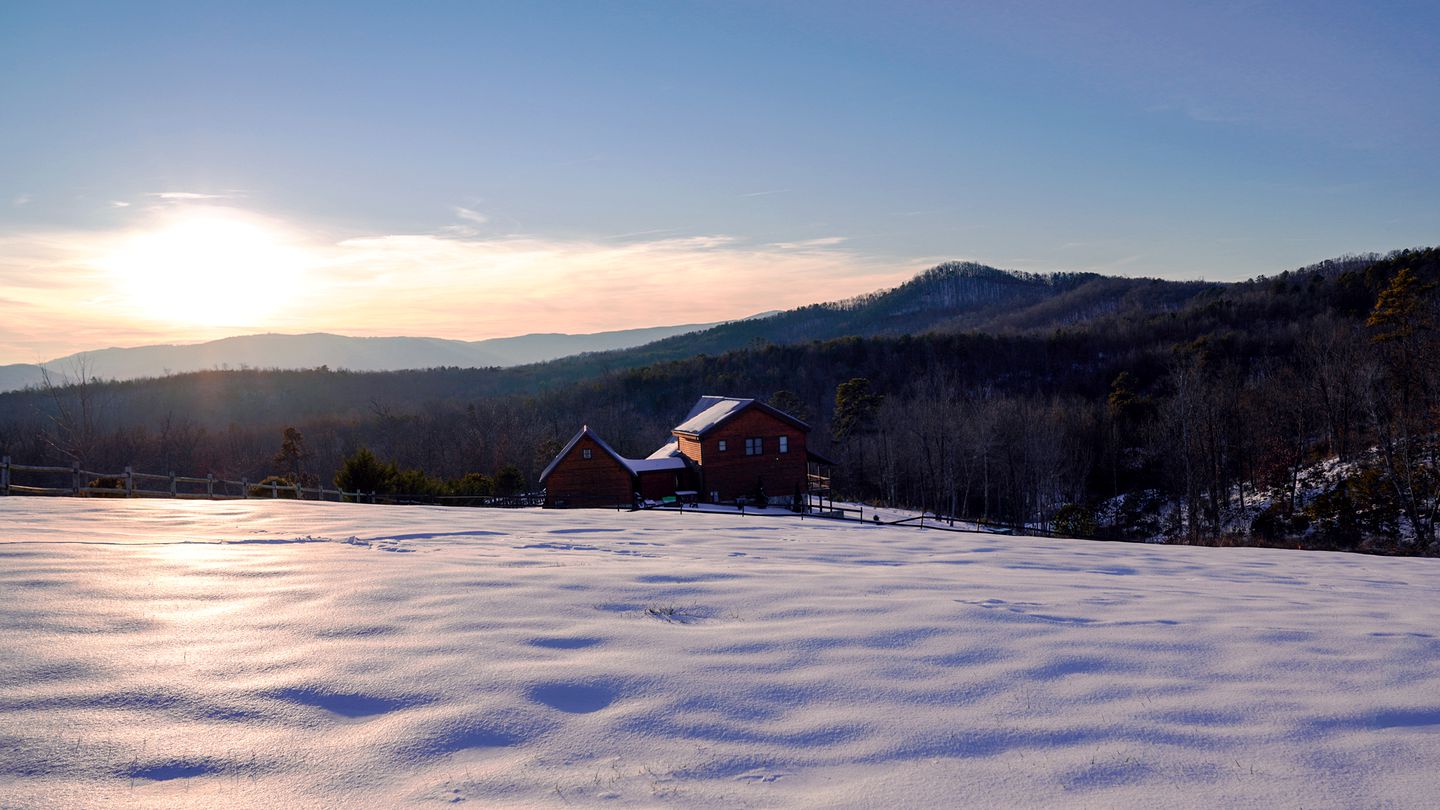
pixel 721 447
pixel 784 444
pixel 585 453
pixel 754 447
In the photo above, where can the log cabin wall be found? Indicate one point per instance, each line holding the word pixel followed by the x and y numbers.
pixel 733 474
pixel 600 480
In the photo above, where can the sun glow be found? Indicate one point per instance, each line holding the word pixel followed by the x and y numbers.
pixel 214 267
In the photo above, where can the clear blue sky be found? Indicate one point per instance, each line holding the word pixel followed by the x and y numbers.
pixel 1219 140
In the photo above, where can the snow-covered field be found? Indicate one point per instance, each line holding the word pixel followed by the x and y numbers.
pixel 163 653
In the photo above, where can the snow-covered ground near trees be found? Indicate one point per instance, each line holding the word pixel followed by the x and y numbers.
pixel 164 653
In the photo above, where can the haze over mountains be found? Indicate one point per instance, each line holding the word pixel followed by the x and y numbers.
pixel 954 296
pixel 336 351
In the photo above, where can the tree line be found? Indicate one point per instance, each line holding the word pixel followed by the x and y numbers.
pixel 1295 410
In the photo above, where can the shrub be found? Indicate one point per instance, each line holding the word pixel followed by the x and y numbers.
pixel 414 482
pixel 509 481
pixel 108 482
pixel 1333 515
pixel 473 484
pixel 1277 523
pixel 1076 520
pixel 284 487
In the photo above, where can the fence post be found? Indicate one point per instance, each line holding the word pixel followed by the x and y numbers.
pixel 245 488
pixel 210 485
pixel 129 482
pixel 75 477
pixel 174 489
pixel 5 475
pixel 299 496
pixel 274 491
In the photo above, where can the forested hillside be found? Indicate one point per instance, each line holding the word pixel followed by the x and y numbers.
pixel 1297 409
pixel 951 297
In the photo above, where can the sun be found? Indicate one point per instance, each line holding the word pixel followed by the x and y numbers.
pixel 214 267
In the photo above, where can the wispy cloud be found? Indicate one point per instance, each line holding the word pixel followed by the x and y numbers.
pixel 21 200
pixel 767 193
pixel 119 204
pixel 471 215
pixel 457 231
pixel 633 234
pixel 822 242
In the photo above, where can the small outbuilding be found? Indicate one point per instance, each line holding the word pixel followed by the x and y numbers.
pixel 588 472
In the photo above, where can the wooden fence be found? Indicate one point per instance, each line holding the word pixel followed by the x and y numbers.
pixel 74 480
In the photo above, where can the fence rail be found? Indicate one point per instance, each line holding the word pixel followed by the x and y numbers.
pixel 127 484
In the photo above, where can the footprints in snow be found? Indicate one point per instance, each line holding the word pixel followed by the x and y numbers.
pixel 350 705
pixel 573 698
pixel 1029 610
pixel 582 547
pixel 564 642
pixel 171 769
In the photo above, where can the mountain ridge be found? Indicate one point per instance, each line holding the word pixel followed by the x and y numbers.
pixel 315 349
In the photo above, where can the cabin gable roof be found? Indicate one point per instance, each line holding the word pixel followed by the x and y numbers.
pixel 635 466
pixel 711 412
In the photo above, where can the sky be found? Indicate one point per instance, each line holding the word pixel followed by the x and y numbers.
pixel 181 172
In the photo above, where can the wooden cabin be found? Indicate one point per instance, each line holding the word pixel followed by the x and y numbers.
pixel 724 450
pixel 589 473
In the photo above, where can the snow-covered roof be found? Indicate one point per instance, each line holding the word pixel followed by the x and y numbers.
pixel 710 411
pixel 667 450
pixel 634 465
pixel 639 465
pixel 701 404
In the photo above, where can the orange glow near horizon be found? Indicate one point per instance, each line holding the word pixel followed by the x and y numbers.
pixel 187 273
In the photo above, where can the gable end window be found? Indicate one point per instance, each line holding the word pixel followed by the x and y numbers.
pixel 721 447
pixel 784 444
pixel 585 453
pixel 754 447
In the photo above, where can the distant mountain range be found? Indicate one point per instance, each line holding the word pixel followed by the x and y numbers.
pixel 950 297
pixel 335 351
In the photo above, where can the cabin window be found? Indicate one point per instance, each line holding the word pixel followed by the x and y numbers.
pixel 784 444
pixel 754 447
pixel 721 446
pixel 585 453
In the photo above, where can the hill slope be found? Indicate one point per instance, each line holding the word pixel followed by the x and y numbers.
pixel 951 297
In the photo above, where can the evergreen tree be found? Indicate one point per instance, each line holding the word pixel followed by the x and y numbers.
pixel 292 454
pixel 363 472
pixel 791 403
pixel 855 408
